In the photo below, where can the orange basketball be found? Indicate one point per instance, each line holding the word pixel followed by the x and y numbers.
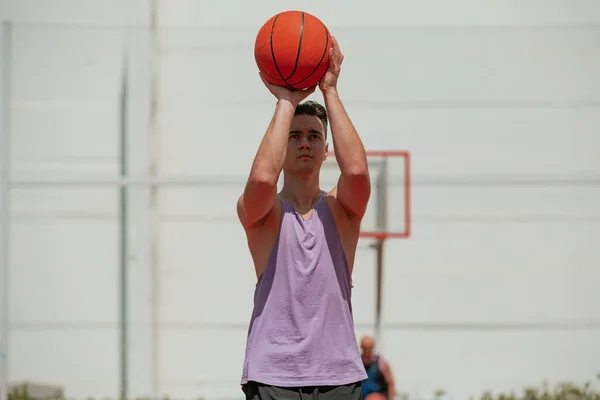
pixel 292 49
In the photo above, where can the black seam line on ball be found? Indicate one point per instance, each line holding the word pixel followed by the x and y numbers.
pixel 273 53
pixel 320 61
pixel 299 49
pixel 262 71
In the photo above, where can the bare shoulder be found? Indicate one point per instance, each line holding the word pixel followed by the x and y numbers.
pixel 383 364
pixel 261 238
pixel 343 220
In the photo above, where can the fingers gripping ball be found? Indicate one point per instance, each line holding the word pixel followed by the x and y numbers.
pixel 292 49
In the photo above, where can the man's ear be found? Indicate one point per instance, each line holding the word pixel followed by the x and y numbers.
pixel 326 151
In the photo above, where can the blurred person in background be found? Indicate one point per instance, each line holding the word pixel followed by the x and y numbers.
pixel 380 383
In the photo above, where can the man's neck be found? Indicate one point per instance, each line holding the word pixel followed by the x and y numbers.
pixel 301 191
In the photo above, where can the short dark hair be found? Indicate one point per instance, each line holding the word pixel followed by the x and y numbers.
pixel 311 107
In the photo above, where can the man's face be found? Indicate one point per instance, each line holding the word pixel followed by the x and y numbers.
pixel 307 146
pixel 367 344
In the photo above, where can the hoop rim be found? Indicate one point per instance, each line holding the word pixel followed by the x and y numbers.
pixel 380 153
pixel 381 235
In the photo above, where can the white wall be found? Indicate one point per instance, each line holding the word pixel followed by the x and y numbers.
pixel 490 91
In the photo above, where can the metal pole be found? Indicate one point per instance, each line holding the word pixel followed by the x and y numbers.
pixel 407 196
pixel 153 136
pixel 232 180
pixel 123 244
pixel 129 182
pixel 381 189
pixel 5 134
pixel 379 283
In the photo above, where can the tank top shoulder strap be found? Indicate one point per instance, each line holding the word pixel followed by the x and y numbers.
pixel 286 208
pixel 322 202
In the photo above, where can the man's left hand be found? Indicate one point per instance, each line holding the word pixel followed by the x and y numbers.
pixel 329 81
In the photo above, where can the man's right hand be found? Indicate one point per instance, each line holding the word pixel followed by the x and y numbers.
pixel 283 93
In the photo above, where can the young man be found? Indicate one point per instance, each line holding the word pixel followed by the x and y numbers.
pixel 380 383
pixel 301 340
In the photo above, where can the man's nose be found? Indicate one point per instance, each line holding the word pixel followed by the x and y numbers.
pixel 304 143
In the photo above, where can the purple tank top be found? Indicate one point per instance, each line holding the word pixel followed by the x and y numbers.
pixel 302 330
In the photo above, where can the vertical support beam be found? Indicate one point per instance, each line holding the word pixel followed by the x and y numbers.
pixel 382 201
pixel 5 134
pixel 379 288
pixel 381 190
pixel 123 231
pixel 407 196
pixel 153 157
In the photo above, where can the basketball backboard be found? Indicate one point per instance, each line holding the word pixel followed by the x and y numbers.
pixel 389 210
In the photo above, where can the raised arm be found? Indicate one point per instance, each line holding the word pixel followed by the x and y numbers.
pixel 260 192
pixel 354 186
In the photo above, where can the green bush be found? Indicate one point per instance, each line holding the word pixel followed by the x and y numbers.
pixel 561 391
